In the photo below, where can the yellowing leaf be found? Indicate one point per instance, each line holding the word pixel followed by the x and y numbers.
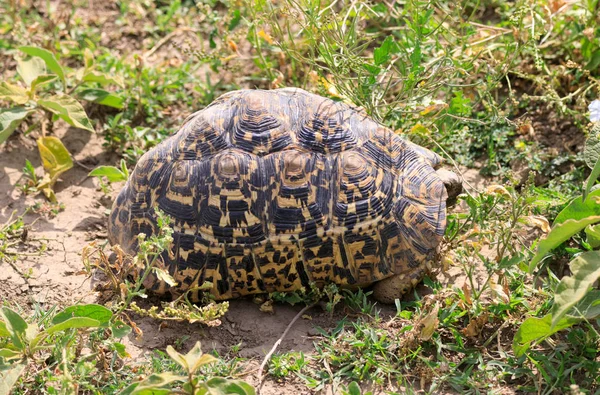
pixel 48 58
pixel 10 119
pixel 497 190
pixel 102 79
pixel 164 277
pixel 55 157
pixel 30 69
pixel 14 93
pixel 537 221
pixel 68 109
pixel 265 36
pixel 430 323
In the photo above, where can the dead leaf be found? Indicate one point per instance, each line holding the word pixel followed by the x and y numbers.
pixel 430 323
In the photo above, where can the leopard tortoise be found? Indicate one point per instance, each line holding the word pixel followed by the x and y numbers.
pixel 273 190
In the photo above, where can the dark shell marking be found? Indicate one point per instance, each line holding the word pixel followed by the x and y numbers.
pixel 273 190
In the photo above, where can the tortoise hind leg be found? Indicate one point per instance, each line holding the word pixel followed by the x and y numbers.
pixel 392 288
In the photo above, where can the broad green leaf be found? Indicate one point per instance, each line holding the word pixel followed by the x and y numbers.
pixel 112 173
pixel 354 388
pixel 16 326
pixel 179 358
pixel 68 109
pixel 585 270
pixel 94 311
pixel 222 386
pixel 120 329
pixel 102 79
pixel 10 354
pixel 559 234
pixel 588 307
pixel 9 377
pixel 30 69
pixel 13 93
pixel 592 179
pixel 75 322
pixel 383 54
pixel 592 233
pixel 101 96
pixel 579 209
pixel 10 119
pixel 42 80
pixel 48 58
pixel 153 385
pixel 164 276
pixel 591 151
pixel 3 331
pixel 55 157
pixel 534 330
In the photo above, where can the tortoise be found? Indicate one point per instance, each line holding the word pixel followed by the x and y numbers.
pixel 275 190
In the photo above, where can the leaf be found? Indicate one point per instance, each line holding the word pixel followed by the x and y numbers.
pixel 592 178
pixel 164 276
pixel 588 307
pixel 48 58
pixel 94 311
pixel 88 58
pixel 223 386
pixel 30 69
pixel 382 54
pixel 152 384
pixel 16 327
pixel 42 80
pixel 73 323
pixel 9 377
pixel 591 151
pixel 559 234
pixel 55 157
pixel 101 96
pixel 10 354
pixel 430 323
pixel 120 329
pixel 592 233
pixel 68 109
pixel 3 330
pixel 585 270
pixel 102 79
pixel 580 209
pixel 193 359
pixel 10 119
pixel 13 93
pixel 534 330
pixel 113 174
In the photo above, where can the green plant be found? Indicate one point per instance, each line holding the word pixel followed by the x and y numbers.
pixel 49 95
pixel 111 174
pixel 575 297
pixel 22 342
pixel 167 383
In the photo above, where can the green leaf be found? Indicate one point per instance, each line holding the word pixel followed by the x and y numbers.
pixel 383 54
pixel 585 270
pixel 193 359
pixel 10 354
pixel 3 331
pixel 13 93
pixel 559 234
pixel 592 233
pixel 102 79
pixel 534 330
pixel 42 80
pixel 591 151
pixel 592 179
pixel 153 385
pixel 587 308
pixel 235 20
pixel 120 329
pixel 101 96
pixel 68 109
pixel 55 157
pixel 94 311
pixel 112 173
pixel 579 209
pixel 74 323
pixel 222 386
pixel 9 377
pixel 88 58
pixel 10 119
pixel 30 69
pixel 354 388
pixel 16 327
pixel 48 58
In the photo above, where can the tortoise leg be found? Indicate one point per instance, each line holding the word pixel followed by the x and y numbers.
pixel 392 288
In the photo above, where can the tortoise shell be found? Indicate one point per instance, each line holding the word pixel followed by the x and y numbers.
pixel 275 190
